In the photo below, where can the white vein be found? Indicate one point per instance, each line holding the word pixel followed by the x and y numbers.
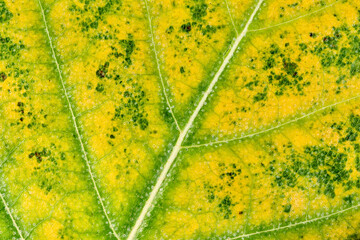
pixel 7 209
pixel 158 65
pixel 231 18
pixel 275 127
pixel 183 133
pixel 75 123
pixel 294 19
pixel 296 224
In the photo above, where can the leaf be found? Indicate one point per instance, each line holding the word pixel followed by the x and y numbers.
pixel 189 119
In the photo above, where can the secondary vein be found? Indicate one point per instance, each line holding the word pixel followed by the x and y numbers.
pixel 294 19
pixel 297 224
pixel 231 17
pixel 78 135
pixel 7 209
pixel 158 65
pixel 274 127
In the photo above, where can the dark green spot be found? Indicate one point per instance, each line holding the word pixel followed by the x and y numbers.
pixel 182 70
pixel 186 27
pixel 103 69
pixel 3 77
pixel 100 87
pixel 287 208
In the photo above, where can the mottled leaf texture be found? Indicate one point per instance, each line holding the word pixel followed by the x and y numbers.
pixel 179 119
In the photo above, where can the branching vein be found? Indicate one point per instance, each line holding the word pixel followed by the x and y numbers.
pixel 296 224
pixel 231 17
pixel 272 128
pixel 294 19
pixel 188 125
pixel 158 65
pixel 66 94
pixel 7 209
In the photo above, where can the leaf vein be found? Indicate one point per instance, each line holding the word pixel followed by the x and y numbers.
pixel 231 17
pixel 158 65
pixel 294 19
pixel 7 209
pixel 75 122
pixel 272 128
pixel 184 132
pixel 291 225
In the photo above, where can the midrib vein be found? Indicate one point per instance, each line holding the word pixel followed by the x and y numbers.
pixel 7 209
pixel 85 155
pixel 187 127
pixel 158 65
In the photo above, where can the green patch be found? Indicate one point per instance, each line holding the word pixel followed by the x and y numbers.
pixel 286 178
pixel 129 46
pixel 9 49
pixel 46 170
pixel 103 69
pixel 199 10
pixel 182 70
pixel 343 57
pixel 355 122
pixel 290 67
pixel 347 57
pixel 303 46
pixel 208 30
pixel 357 163
pixel 225 207
pixel 100 87
pixel 131 110
pixel 355 236
pixel 186 27
pixel 287 208
pixel 252 84
pixel 351 135
pixel 288 78
pixel 260 96
pixel 331 42
pixel 5 14
pixel 228 175
pixel 269 63
pixel 169 29
pixel 329 191
pixel 92 14
pixel 355 67
pixel 326 164
pixel 3 76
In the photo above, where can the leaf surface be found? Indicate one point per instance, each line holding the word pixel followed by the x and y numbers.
pixel 189 119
